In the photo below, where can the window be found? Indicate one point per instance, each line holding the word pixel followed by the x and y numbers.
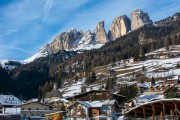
pixel 37 108
pixel 42 115
pixel 22 108
pixel 29 108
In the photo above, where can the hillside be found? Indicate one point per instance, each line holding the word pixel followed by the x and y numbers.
pixel 129 71
pixel 31 76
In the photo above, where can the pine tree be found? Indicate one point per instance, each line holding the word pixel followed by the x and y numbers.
pixel 76 79
pixel 83 89
pixel 152 81
pixel 141 53
pixel 93 77
pixel 40 94
pixel 130 91
pixel 178 39
pixel 152 46
pixel 166 43
pixel 142 81
pixel 108 84
pixel 88 78
pixel 70 71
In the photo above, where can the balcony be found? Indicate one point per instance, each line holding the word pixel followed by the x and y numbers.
pixel 78 109
pixel 82 115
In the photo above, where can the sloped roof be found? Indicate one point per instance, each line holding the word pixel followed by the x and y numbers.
pixel 109 102
pixel 54 93
pixel 169 104
pixel 33 102
pixel 92 91
pixel 95 103
pixel 9 100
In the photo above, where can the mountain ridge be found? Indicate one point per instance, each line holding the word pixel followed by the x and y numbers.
pixel 80 40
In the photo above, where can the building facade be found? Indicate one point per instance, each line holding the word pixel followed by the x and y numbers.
pixel 34 109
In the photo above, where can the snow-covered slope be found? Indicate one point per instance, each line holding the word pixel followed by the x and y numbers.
pixel 36 56
pixel 69 90
pixel 10 64
pixel 87 42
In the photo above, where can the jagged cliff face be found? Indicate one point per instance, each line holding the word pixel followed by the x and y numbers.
pixel 119 27
pixel 100 33
pixel 87 39
pixel 75 40
pixel 64 41
pixel 139 18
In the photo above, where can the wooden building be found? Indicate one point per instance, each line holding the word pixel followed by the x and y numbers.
pixel 34 109
pixel 95 95
pixel 156 110
pixel 91 110
pixel 91 95
pixel 8 101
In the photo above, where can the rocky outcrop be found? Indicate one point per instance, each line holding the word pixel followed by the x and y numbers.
pixel 168 21
pixel 87 39
pixel 119 27
pixel 64 41
pixel 139 18
pixel 100 33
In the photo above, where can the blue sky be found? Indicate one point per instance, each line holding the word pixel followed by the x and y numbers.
pixel 27 25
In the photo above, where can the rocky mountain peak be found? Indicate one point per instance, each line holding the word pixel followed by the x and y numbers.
pixel 139 18
pixel 82 32
pixel 64 41
pixel 100 25
pixel 88 32
pixel 119 27
pixel 100 33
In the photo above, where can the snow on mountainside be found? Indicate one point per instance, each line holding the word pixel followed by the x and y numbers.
pixel 71 40
pixel 85 41
pixel 36 56
pixel 156 67
pixel 10 64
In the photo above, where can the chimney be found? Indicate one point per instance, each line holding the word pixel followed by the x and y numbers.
pixel 55 86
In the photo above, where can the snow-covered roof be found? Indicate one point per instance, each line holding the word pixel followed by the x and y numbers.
pixel 96 103
pixel 109 102
pixel 54 93
pixel 34 102
pixel 9 100
pixel 144 85
pixel 148 97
